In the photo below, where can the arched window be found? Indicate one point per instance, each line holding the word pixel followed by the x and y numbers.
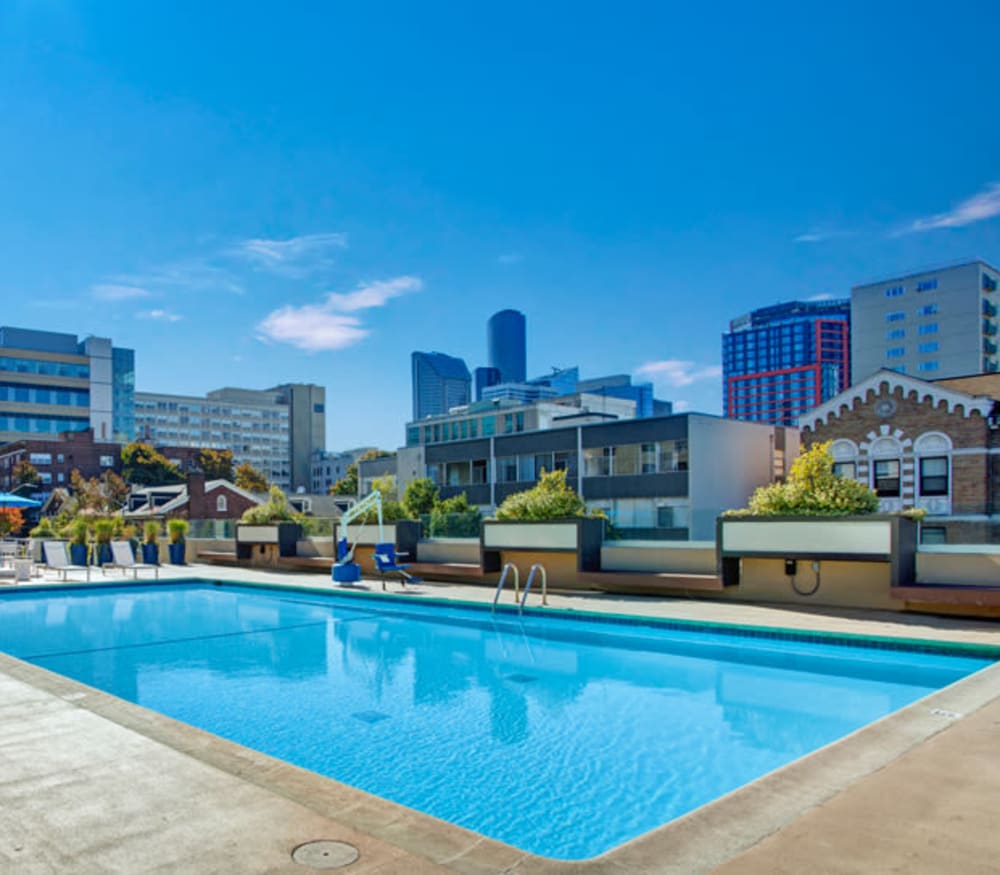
pixel 933 452
pixel 845 458
pixel 222 504
pixel 886 453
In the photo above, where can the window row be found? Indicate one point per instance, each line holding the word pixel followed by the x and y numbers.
pixel 932 479
pixel 45 368
pixel 44 395
pixel 663 457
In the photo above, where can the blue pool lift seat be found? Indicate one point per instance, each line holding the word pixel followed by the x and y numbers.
pixel 386 563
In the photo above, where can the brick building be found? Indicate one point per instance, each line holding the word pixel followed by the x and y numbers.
pixel 930 445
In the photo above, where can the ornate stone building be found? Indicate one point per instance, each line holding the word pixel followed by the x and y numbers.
pixel 931 445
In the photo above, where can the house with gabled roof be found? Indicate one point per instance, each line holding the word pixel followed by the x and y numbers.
pixel 933 445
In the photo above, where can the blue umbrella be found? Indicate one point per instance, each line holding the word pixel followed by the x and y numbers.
pixel 9 499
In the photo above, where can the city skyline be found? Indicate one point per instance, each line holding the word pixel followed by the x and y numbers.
pixel 277 208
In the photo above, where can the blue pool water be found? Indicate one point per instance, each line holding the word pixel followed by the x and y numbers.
pixel 564 737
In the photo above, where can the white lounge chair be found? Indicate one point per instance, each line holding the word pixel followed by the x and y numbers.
pixel 121 553
pixel 56 559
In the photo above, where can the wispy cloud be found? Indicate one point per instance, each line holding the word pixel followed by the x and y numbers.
pixel 822 296
pixel 510 258
pixel 160 315
pixel 978 208
pixel 676 372
pixel 191 274
pixel 118 292
pixel 820 236
pixel 330 325
pixel 295 256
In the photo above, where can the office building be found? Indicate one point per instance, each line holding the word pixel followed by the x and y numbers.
pixel 484 378
pixel 328 468
pixel 932 324
pixel 780 361
pixel 52 383
pixel 276 430
pixel 662 478
pixel 506 345
pixel 439 383
pixel 621 386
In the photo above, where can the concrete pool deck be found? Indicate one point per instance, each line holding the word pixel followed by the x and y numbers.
pixel 89 783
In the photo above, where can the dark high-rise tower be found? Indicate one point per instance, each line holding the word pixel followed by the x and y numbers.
pixel 505 340
pixel 440 382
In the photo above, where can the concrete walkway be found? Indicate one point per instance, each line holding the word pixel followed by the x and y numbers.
pixel 91 784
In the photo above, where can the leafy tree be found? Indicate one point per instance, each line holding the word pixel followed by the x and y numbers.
pixel 217 464
pixel 250 479
pixel 454 518
pixel 812 489
pixel 551 498
pixel 274 510
pixel 25 473
pixel 368 455
pixel 348 484
pixel 11 520
pixel 419 497
pixel 106 495
pixel 145 466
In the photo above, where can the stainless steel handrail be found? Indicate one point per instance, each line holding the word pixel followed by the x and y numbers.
pixel 510 566
pixel 527 587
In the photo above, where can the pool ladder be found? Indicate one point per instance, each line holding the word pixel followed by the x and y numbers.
pixel 535 569
pixel 510 566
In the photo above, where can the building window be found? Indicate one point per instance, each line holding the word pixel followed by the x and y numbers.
pixel 932 346
pixel 898 316
pixel 664 517
pixel 896 352
pixel 934 476
pixel 886 478
pixel 989 283
pixel 928 366
pixel 221 504
pixel 933 535
pixel 928 310
pixel 673 456
pixel 458 473
pixel 895 334
pixel 626 459
pixel 929 328
pixel 847 470
pixel 107 461
pixel 648 459
pixel 40 458
pixel 507 469
pixel 894 291
pixel 480 471
pixel 927 285
pixel 597 461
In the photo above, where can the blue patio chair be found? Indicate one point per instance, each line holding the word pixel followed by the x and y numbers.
pixel 386 563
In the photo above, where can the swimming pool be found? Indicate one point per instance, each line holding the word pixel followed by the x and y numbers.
pixel 562 736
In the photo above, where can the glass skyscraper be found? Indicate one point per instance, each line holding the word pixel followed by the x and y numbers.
pixel 780 361
pixel 505 341
pixel 440 382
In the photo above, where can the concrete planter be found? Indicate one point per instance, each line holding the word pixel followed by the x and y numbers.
pixel 177 552
pixel 877 538
pixel 282 537
pixel 78 554
pixel 151 554
pixel 564 547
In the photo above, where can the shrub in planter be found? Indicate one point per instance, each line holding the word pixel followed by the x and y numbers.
pixel 551 499
pixel 150 549
pixel 44 530
pixel 78 532
pixel 176 531
pixel 104 530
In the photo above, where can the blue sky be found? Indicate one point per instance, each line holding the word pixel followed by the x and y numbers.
pixel 250 194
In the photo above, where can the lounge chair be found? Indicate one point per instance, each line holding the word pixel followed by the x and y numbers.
pixel 56 559
pixel 385 562
pixel 123 558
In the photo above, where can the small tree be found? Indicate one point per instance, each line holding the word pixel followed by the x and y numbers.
pixel 348 484
pixel 145 466
pixel 274 510
pixel 217 464
pixel 250 479
pixel 24 473
pixel 419 497
pixel 11 520
pixel 454 517
pixel 551 498
pixel 812 489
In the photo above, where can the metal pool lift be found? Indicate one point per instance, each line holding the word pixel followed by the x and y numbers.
pixel 345 569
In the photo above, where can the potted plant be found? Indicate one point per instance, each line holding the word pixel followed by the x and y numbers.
pixel 78 531
pixel 104 530
pixel 177 529
pixel 150 548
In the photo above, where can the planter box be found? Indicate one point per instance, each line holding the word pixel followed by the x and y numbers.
pixel 284 536
pixel 177 551
pixel 581 536
pixel 875 538
pixel 151 554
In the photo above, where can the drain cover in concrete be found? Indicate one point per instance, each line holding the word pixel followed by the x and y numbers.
pixel 370 716
pixel 521 678
pixel 325 854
